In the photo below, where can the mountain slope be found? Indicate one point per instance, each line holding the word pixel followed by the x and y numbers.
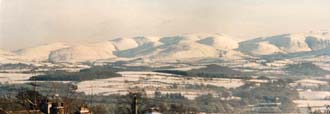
pixel 4 55
pixel 145 46
pixel 303 69
pixel 39 53
pixel 194 46
pixel 81 53
pixel 286 43
pixel 124 43
pixel 187 46
pixel 222 42
pixel 180 47
pixel 308 54
pixel 8 57
pixel 186 50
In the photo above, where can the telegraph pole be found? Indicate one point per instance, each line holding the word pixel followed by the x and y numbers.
pixel 134 106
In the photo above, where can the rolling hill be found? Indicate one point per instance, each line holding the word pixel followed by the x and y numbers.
pixel 286 43
pixel 180 47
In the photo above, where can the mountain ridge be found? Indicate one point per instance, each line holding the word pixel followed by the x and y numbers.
pixel 286 43
pixel 180 47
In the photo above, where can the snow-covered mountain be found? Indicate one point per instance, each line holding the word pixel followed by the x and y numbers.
pixel 39 53
pixel 5 53
pixel 287 43
pixel 151 48
pixel 179 47
pixel 145 46
pixel 185 50
pixel 8 57
pixel 196 46
pixel 219 41
pixel 81 53
pixel 124 43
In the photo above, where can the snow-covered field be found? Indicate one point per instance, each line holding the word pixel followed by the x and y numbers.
pixel 312 103
pixel 314 95
pixel 151 81
pixel 14 78
pixel 20 78
pixel 309 83
pixel 303 105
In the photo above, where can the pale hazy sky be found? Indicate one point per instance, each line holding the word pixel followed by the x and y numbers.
pixel 26 23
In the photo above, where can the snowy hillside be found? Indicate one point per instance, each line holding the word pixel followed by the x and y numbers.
pixel 180 47
pixel 151 48
pixel 220 42
pixel 287 43
pixel 81 53
pixel 124 43
pixel 39 53
pixel 8 57
pixel 199 46
pixel 5 53
pixel 265 48
pixel 145 46
pixel 185 50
